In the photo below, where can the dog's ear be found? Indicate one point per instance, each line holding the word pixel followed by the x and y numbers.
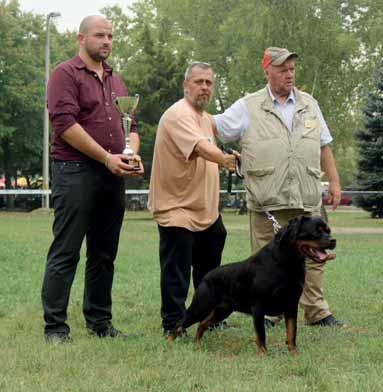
pixel 290 232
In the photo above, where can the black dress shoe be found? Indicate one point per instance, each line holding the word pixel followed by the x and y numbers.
pixel 57 337
pixel 110 332
pixel 329 321
pixel 269 323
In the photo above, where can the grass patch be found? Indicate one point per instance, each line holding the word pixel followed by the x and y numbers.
pixel 347 359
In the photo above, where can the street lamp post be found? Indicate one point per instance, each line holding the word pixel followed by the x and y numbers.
pixel 45 198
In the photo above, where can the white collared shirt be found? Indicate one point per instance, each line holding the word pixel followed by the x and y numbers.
pixel 235 120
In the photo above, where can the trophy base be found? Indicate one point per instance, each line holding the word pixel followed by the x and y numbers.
pixel 132 162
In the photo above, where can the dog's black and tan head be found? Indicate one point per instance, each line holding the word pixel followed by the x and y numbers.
pixel 310 235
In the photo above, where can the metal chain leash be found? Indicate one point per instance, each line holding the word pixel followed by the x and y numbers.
pixel 272 219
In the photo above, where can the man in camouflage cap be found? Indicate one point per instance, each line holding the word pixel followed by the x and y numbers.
pixel 285 146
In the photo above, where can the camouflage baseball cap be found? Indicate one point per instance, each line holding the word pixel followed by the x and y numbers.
pixel 276 56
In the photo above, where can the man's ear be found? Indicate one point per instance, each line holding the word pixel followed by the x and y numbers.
pixel 80 38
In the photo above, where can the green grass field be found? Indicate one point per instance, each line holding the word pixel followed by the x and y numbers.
pixel 346 359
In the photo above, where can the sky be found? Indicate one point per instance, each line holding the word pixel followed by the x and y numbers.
pixel 72 11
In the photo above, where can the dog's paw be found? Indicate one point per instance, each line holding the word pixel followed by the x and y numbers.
pixel 294 351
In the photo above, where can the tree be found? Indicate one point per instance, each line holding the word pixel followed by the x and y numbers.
pixel 370 143
pixel 22 91
pixel 333 39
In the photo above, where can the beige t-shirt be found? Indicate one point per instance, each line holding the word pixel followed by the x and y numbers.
pixel 184 188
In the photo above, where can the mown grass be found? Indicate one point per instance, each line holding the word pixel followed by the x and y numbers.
pixel 347 359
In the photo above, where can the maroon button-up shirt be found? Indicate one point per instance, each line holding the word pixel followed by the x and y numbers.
pixel 77 95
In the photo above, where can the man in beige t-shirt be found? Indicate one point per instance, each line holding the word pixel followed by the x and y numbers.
pixel 184 194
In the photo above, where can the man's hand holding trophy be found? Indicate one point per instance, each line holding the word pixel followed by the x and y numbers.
pixel 127 106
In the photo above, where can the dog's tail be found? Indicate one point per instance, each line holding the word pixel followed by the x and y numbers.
pixel 202 305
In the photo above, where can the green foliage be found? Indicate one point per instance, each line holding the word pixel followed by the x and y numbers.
pixel 370 143
pixel 22 86
pixel 22 67
pixel 63 46
pixel 330 37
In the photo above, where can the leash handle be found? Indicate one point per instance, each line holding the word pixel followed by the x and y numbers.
pixel 237 163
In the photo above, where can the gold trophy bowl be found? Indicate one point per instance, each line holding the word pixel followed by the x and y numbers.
pixel 127 106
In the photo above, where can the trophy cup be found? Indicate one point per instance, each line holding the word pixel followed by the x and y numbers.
pixel 127 106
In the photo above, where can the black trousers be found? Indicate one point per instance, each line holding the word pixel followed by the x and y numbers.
pixel 88 201
pixel 180 250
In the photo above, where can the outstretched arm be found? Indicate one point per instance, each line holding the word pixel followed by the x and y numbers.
pixel 212 153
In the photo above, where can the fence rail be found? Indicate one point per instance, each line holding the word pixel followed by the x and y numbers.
pixel 146 191
pixel 137 199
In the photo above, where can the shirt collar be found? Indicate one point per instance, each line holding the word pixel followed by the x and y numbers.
pixel 80 64
pixel 291 98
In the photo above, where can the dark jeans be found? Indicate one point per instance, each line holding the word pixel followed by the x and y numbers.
pixel 88 201
pixel 181 249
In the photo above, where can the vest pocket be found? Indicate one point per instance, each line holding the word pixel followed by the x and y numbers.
pixel 314 171
pixel 261 186
pixel 261 172
pixel 312 193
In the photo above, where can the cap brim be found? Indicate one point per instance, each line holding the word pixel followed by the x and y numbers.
pixel 283 58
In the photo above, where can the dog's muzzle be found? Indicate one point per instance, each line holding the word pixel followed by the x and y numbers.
pixel 316 250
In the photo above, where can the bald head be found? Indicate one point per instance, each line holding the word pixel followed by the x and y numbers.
pixel 95 38
pixel 89 21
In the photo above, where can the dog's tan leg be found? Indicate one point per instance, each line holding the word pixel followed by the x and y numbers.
pixel 291 333
pixel 203 326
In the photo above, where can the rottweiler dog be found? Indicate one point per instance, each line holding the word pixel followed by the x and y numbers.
pixel 267 283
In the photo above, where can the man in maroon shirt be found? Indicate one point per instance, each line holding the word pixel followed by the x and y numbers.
pixel 88 190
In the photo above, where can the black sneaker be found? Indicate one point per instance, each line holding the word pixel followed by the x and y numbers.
pixel 329 321
pixel 57 337
pixel 110 332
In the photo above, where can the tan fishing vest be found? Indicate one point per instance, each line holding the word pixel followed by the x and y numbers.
pixel 282 170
